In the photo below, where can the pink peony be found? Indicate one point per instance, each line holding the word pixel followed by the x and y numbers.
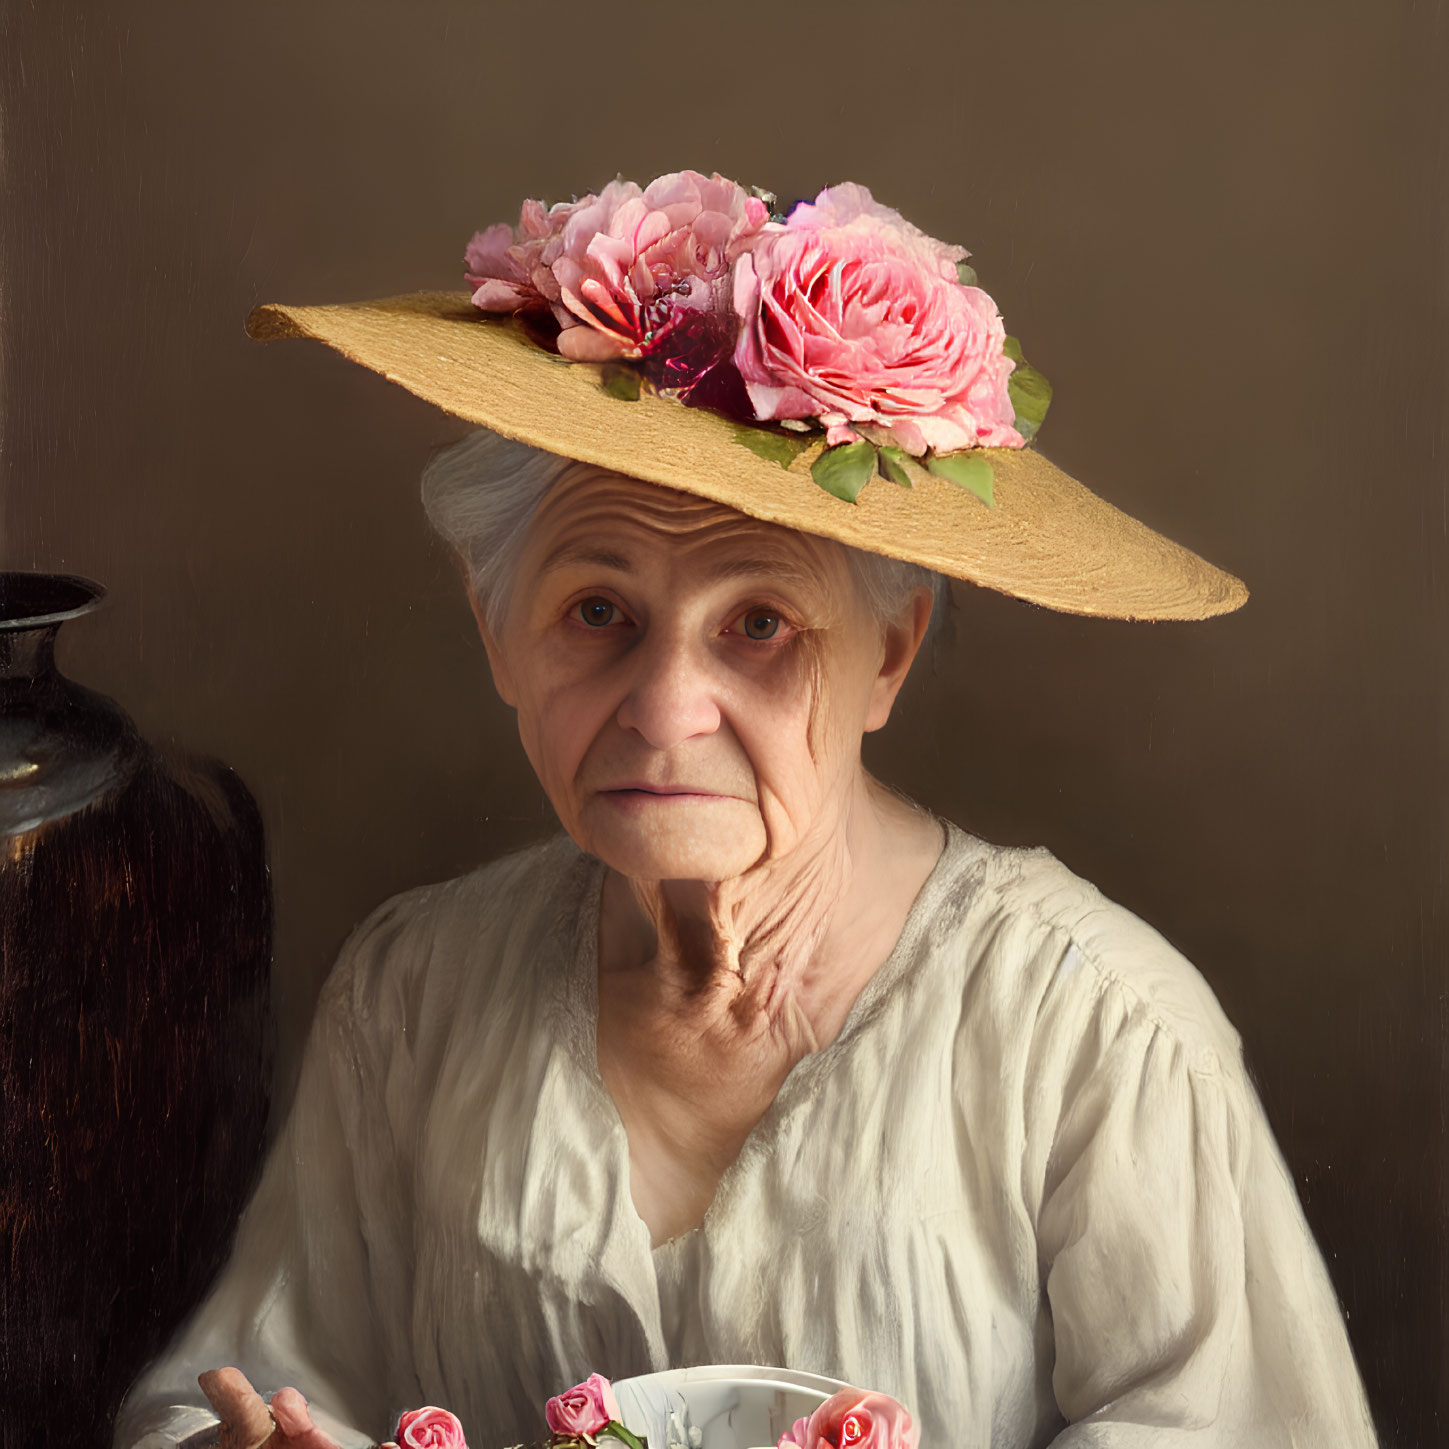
pixel 507 267
pixel 430 1428
pixel 853 316
pixel 633 265
pixel 627 273
pixel 855 1419
pixel 584 1409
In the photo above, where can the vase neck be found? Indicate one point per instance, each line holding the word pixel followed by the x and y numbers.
pixel 27 653
pixel 33 606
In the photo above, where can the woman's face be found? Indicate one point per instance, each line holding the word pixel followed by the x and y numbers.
pixel 691 684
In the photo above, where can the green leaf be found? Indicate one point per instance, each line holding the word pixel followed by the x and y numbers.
pixel 634 1441
pixel 966 274
pixel 1030 392
pixel 844 470
pixel 620 382
pixel 773 447
pixel 893 464
pixel 966 471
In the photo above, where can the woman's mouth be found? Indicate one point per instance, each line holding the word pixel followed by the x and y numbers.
pixel 641 791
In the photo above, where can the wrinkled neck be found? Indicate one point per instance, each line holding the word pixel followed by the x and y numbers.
pixel 767 937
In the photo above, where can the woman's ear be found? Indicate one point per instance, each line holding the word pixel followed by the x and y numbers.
pixel 901 643
pixel 497 662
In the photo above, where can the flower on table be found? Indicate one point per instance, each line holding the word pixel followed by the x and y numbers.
pixel 855 1419
pixel 587 1408
pixel 428 1428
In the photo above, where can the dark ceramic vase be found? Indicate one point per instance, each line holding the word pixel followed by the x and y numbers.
pixel 135 946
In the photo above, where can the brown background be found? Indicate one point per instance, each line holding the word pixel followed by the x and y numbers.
pixel 1219 230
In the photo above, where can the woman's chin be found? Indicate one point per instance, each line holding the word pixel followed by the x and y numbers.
pixel 702 838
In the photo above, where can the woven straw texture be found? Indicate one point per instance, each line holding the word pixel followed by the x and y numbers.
pixel 1048 539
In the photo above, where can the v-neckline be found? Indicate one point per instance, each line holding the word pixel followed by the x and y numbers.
pixel 580 1001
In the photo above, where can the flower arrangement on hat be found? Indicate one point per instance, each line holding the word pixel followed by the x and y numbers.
pixel 762 349
pixel 839 316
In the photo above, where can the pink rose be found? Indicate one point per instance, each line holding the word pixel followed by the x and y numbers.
pixel 584 1409
pixel 633 265
pixel 796 1437
pixel 430 1428
pixel 855 1419
pixel 853 316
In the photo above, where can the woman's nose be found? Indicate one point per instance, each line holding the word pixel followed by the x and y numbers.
pixel 671 696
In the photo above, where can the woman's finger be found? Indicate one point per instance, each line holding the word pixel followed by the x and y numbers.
pixel 245 1422
pixel 289 1409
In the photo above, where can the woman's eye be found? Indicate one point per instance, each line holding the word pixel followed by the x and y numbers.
pixel 597 612
pixel 759 624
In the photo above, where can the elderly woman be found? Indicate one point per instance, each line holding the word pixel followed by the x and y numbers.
pixel 757 1062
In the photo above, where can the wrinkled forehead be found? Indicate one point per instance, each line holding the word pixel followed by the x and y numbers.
pixel 590 514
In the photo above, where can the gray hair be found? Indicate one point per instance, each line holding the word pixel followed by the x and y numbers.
pixel 481 494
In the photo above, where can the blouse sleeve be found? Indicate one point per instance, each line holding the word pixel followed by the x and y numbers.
pixel 315 1293
pixel 1189 1303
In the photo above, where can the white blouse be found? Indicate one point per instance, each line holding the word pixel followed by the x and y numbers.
pixel 1028 1190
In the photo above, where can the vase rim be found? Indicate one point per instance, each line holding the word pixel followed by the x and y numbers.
pixel 33 600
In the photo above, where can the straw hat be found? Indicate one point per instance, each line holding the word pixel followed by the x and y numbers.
pixel 1043 537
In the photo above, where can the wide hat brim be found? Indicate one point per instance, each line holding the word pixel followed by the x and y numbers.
pixel 1047 539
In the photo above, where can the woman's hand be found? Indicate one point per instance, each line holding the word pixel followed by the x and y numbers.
pixel 246 1421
